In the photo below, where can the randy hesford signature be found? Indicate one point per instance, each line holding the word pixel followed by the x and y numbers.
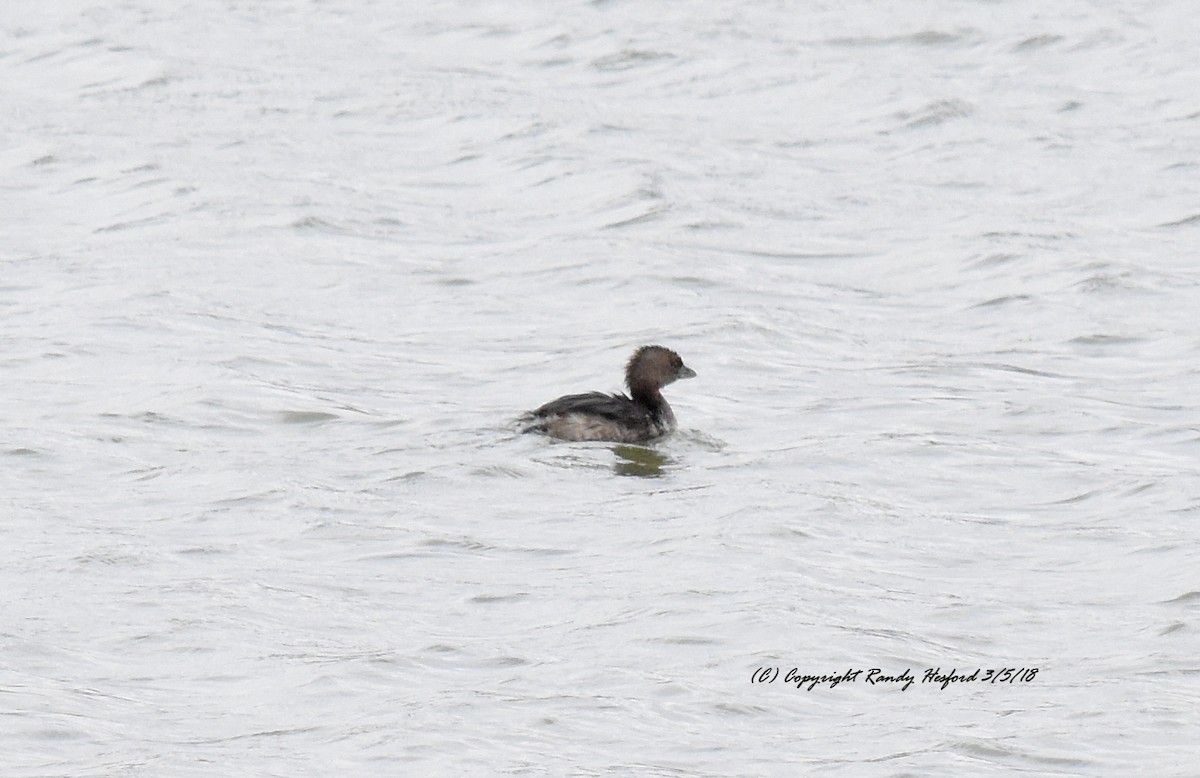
pixel 878 677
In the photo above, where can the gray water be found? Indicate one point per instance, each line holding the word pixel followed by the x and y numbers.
pixel 277 278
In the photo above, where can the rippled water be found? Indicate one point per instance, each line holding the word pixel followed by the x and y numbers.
pixel 278 277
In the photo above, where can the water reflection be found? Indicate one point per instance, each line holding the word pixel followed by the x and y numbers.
pixel 638 461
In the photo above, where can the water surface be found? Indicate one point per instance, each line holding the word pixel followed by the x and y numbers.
pixel 277 278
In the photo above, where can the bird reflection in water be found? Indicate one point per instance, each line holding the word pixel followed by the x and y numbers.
pixel 638 461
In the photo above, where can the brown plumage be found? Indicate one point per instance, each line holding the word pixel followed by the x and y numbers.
pixel 641 416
